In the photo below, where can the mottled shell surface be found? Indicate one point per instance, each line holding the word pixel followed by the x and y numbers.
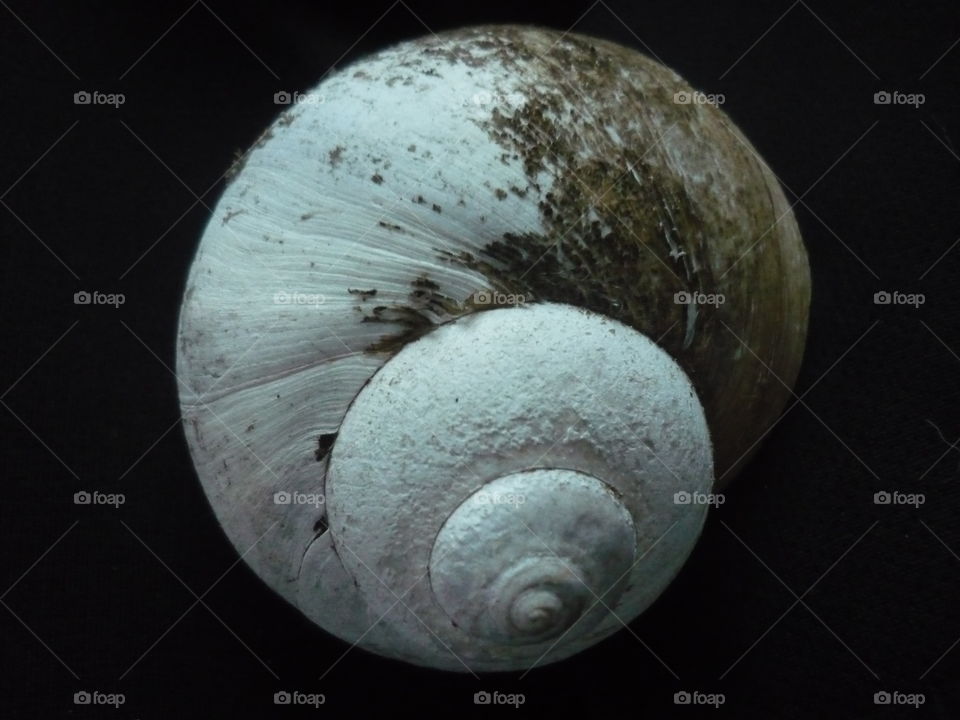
pixel 432 180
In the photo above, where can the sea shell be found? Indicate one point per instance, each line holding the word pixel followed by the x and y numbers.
pixel 482 183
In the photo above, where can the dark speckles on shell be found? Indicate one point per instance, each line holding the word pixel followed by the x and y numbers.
pixel 624 230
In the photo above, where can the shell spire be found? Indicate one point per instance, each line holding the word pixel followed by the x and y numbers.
pixel 465 325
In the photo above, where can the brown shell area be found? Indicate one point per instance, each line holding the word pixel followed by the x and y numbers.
pixel 648 197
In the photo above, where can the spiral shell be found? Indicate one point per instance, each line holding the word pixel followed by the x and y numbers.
pixel 461 270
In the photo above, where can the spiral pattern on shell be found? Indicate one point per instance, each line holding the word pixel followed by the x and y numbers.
pixel 452 277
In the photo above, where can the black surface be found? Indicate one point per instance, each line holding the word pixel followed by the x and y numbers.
pixel 89 401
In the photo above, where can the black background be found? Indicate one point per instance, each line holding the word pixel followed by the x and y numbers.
pixel 106 199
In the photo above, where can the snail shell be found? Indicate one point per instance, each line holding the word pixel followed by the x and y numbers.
pixel 439 383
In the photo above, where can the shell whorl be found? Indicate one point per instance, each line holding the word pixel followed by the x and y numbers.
pixel 530 555
pixel 514 493
pixel 424 187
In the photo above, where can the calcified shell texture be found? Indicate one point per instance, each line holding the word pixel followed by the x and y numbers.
pixel 440 178
pixel 534 475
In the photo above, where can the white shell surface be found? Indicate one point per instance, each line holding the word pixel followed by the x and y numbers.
pixel 272 341
pixel 483 398
pixel 340 241
pixel 533 556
